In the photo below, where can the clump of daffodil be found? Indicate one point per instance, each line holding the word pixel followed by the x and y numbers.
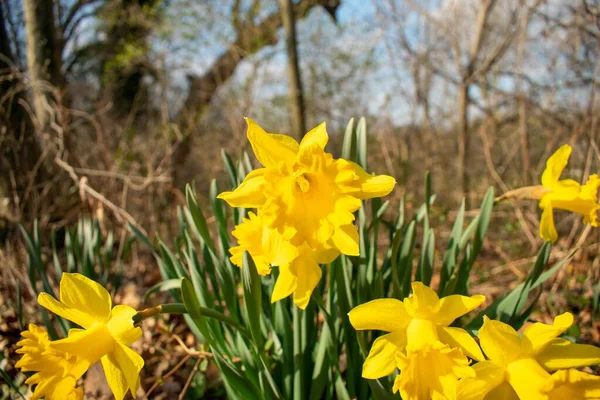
pixel 519 366
pixel 107 332
pixel 305 200
pixel 56 373
pixel 565 194
pixel 431 355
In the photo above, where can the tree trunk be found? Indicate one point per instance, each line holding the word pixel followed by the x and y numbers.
pixel 297 111
pixel 463 140
pixel 43 56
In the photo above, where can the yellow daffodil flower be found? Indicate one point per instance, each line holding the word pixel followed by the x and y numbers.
pixel 566 194
pixel 519 365
pixel 107 332
pixel 56 373
pixel 299 270
pixel 430 354
pixel 303 192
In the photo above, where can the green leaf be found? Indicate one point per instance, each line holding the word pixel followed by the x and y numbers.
pixel 361 140
pixel 349 144
pixel 252 299
pixel 162 286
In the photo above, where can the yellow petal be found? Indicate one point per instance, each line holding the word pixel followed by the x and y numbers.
pixel 130 363
pixel 271 149
pixel 90 344
pixel 561 354
pixel 250 193
pixel 325 256
pixel 547 229
pixel 316 136
pixel 573 384
pixel 567 189
pixel 502 392
pixel 362 184
pixel 527 378
pixel 424 302
pixel 539 335
pixel 382 356
pixel 114 376
pixel 499 341
pixel 309 274
pixel 488 376
pixel 121 326
pixel 345 239
pixel 454 306
pixel 387 315
pixel 82 300
pixel 555 165
pixel 285 285
pixel 457 337
pixel 86 295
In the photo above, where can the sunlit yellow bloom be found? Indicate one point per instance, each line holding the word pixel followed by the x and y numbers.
pixel 105 335
pixel 56 373
pixel 519 365
pixel 299 270
pixel 303 192
pixel 419 328
pixel 566 194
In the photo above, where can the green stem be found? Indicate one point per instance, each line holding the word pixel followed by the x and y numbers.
pixel 298 356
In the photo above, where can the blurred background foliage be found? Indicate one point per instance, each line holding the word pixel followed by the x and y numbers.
pixel 108 108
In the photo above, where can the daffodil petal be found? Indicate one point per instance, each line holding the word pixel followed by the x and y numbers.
pixel 457 337
pixel 387 315
pixel 130 363
pixel 317 135
pixel 539 335
pixel 547 229
pixel 121 326
pixel 309 274
pixel 82 300
pixel 488 376
pixel 573 384
pixel 90 344
pixel 325 256
pixel 454 306
pixel 114 376
pixel 345 239
pixel 381 360
pixel 561 354
pixel 565 190
pixel 271 149
pixel 555 165
pixel 527 378
pixel 364 185
pixel 285 285
pixel 499 341
pixel 81 293
pixel 58 308
pixel 502 392
pixel 249 193
pixel 424 301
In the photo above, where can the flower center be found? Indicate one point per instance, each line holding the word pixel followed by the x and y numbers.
pixel 303 183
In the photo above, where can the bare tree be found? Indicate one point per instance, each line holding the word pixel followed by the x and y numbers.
pixel 44 62
pixel 297 110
